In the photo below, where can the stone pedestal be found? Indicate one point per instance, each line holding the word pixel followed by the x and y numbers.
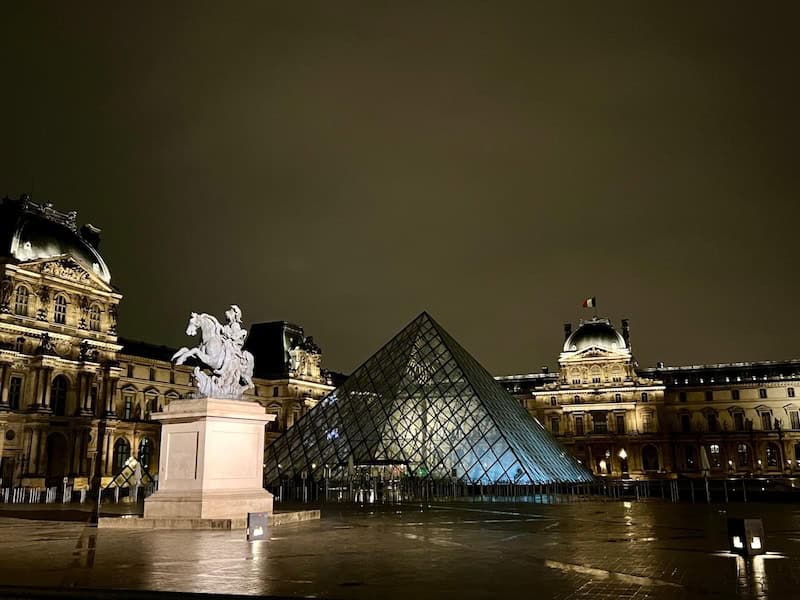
pixel 211 461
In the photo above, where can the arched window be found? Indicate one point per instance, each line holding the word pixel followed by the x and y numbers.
pixel 145 452
pixel 21 301
pixel 773 455
pixel 60 310
pixel 743 453
pixel 650 458
pixel 714 457
pixel 122 452
pixel 94 318
pixel 58 395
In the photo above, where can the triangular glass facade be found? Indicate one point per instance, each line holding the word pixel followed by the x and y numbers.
pixel 423 404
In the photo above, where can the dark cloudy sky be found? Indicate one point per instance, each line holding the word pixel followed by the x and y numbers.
pixel 346 166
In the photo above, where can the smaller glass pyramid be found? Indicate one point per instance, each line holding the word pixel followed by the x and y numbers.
pixel 424 405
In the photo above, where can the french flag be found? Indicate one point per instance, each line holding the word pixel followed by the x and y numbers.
pixel 590 302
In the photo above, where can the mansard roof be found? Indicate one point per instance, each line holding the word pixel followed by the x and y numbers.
pixel 33 232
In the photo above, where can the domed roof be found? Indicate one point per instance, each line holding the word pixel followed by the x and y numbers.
pixel 598 333
pixel 37 232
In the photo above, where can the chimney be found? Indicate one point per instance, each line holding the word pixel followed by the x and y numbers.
pixel 626 333
pixel 91 234
pixel 567 330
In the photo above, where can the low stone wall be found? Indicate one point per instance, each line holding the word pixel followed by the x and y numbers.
pixel 275 519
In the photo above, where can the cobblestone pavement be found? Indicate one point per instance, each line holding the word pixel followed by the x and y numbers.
pixel 587 550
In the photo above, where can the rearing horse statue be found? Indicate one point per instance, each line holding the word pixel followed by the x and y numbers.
pixel 220 349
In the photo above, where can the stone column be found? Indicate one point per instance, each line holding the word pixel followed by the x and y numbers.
pixel 47 382
pixel 5 369
pixel 33 452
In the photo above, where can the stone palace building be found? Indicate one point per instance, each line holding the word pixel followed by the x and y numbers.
pixel 624 421
pixel 66 376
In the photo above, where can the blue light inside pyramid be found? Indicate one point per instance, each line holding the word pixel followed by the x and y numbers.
pixel 423 405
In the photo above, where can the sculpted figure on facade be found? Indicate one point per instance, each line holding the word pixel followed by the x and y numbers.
pixel 220 350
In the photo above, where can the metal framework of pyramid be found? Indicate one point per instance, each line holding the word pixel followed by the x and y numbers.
pixel 424 404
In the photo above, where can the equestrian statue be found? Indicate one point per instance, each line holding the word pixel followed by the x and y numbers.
pixel 220 349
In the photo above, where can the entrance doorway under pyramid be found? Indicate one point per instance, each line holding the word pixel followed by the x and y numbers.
pixel 424 407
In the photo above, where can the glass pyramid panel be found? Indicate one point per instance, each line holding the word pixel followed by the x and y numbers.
pixel 423 403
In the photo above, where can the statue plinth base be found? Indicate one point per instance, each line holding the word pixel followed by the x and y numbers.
pixel 211 461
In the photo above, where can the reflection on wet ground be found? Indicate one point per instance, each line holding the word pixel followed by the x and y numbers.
pixel 567 551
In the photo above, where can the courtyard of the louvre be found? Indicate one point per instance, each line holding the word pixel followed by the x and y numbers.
pixel 578 550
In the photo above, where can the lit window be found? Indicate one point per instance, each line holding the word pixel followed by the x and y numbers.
pixel 714 456
pixel 743 452
pixel 60 310
pixel 772 455
pixel 21 301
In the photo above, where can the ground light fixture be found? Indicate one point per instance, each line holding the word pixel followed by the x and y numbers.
pixel 746 536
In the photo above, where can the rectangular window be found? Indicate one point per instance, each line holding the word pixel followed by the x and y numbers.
pixel 620 423
pixel 714 456
pixel 682 396
pixel 275 391
pixel 644 397
pixel 709 396
pixel 794 416
pixel 599 423
pixel 686 423
pixel 762 392
pixel 713 424
pixel 130 370
pixel 738 421
pixel 735 394
pixel 617 397
pixel 766 421
pixel 595 380
pixel 152 374
pixel 128 399
pixel 576 381
pixel 578 425
pixel 172 376
pixel 553 401
pixel 555 425
pixel 790 392
pixel 15 392
pixel 647 422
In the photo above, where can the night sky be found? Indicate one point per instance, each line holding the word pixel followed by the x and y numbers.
pixel 346 166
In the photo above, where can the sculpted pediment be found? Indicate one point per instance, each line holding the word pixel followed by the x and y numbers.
pixel 68 269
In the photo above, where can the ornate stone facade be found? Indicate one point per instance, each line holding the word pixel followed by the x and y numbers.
pixel 67 380
pixel 686 421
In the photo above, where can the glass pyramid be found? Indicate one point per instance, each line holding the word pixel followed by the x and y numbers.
pixel 423 404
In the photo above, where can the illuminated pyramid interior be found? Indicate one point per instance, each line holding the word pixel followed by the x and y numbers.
pixel 423 405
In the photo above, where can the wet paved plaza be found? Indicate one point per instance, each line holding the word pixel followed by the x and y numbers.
pixel 568 551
